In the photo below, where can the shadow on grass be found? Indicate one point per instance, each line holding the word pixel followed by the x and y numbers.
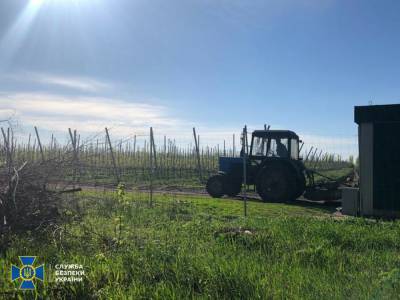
pixel 327 206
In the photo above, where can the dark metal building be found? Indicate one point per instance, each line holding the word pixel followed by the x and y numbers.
pixel 379 154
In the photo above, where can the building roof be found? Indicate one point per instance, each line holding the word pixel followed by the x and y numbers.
pixel 377 114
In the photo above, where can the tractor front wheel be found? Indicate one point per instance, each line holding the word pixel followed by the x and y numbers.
pixel 215 186
pixel 276 183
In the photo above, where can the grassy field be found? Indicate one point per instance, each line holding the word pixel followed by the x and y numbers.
pixel 197 247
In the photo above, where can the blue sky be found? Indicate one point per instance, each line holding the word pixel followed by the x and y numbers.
pixel 216 65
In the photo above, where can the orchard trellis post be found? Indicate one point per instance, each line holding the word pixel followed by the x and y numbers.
pixel 152 163
pixel 7 148
pixel 113 157
pixel 317 160
pixel 75 151
pixel 301 147
pixel 308 154
pixel 153 147
pixel 233 145
pixel 196 141
pixel 313 155
pixel 244 151
pixel 40 144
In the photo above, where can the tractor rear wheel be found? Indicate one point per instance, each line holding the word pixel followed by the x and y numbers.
pixel 276 183
pixel 232 187
pixel 215 186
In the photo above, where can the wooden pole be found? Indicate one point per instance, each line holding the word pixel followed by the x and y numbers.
pixel 112 156
pixel 151 166
pixel 308 154
pixel 233 145
pixel 75 151
pixel 198 154
pixel 313 155
pixel 224 149
pixel 317 160
pixel 153 146
pixel 301 147
pixel 244 147
pixel 39 143
pixel 8 151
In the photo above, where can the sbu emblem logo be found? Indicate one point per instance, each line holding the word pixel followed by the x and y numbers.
pixel 28 273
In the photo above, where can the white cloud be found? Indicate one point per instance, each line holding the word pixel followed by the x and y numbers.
pixel 78 83
pixel 87 114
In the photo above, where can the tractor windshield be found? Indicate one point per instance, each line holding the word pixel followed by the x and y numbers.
pixel 270 147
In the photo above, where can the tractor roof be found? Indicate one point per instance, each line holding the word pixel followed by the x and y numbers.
pixel 276 134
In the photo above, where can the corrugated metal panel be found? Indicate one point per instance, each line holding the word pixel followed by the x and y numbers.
pixel 366 134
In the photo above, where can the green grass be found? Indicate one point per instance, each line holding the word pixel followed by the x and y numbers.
pixel 191 247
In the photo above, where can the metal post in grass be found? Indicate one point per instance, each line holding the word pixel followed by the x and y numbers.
pixel 113 157
pixel 244 152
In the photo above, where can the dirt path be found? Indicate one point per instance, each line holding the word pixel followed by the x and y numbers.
pixel 173 190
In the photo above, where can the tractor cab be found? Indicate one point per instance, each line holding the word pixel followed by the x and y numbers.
pixel 274 144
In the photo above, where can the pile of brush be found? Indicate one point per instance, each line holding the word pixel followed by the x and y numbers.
pixel 30 193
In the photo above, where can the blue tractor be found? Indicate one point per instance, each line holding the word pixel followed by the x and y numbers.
pixel 273 166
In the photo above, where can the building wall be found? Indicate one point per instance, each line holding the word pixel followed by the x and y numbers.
pixel 366 146
pixel 386 178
